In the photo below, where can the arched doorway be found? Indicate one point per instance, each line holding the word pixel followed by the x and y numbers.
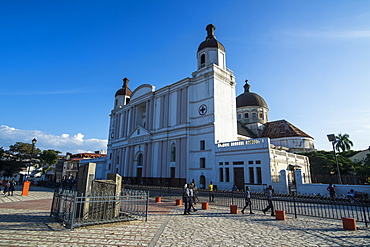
pixel 202 182
pixel 139 169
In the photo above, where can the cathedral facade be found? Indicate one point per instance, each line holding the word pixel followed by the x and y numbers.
pixel 197 130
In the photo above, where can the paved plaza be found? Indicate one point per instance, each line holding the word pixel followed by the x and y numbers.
pixel 25 221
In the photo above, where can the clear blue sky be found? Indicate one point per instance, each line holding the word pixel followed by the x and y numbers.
pixel 61 62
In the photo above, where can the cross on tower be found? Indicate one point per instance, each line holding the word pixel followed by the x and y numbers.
pixel 202 109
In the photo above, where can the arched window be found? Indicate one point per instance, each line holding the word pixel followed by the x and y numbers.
pixel 140 160
pixel 202 182
pixel 173 153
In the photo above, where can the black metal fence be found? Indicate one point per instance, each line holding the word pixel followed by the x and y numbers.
pixel 297 205
pixel 76 210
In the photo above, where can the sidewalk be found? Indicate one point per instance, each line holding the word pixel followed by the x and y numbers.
pixel 25 221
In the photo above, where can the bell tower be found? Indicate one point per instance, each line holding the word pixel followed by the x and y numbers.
pixel 212 94
pixel 123 95
pixel 211 51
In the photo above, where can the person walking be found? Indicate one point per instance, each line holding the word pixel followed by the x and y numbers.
pixel 247 194
pixel 12 187
pixel 3 182
pixel 331 190
pixel 191 194
pixel 211 192
pixel 187 200
pixel 269 192
pixel 195 192
pixel 6 187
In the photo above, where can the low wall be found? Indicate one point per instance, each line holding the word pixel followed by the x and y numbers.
pixel 340 189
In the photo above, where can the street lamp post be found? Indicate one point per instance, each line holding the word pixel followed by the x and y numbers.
pixel 332 139
pixel 32 156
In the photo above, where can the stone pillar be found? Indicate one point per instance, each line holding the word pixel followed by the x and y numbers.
pixel 111 205
pixel 284 181
pixel 117 179
pixel 86 176
pixel 298 179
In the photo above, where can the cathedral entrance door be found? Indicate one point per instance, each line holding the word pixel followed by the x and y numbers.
pixel 239 177
pixel 173 180
pixel 139 175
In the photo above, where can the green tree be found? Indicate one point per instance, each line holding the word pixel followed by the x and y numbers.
pixel 24 150
pixel 22 154
pixel 9 164
pixel 48 158
pixel 323 163
pixel 343 142
pixel 363 167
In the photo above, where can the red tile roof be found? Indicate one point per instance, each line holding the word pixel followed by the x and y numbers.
pixel 282 128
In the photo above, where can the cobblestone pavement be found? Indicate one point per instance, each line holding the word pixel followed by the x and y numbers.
pixel 25 221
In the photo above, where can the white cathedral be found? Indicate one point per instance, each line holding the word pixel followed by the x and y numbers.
pixel 197 129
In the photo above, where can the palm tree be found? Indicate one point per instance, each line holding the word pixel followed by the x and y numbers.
pixel 343 142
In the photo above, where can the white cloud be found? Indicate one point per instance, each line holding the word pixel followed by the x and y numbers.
pixel 64 143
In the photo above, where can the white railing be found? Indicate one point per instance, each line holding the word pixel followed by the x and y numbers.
pixel 241 143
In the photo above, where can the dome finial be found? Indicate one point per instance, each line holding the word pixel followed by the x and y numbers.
pixel 246 87
pixel 125 82
pixel 210 31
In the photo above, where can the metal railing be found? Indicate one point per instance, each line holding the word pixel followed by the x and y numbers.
pixel 322 207
pixel 76 210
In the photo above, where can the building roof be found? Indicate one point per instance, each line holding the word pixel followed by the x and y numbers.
pixel 87 155
pixel 244 131
pixel 125 90
pixel 211 41
pixel 249 99
pixel 360 155
pixel 282 128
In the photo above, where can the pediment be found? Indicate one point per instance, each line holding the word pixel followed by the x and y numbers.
pixel 139 132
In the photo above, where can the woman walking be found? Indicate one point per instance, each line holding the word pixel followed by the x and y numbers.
pixel 6 187
pixel 12 187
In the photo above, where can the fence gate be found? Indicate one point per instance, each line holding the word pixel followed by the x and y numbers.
pixel 75 209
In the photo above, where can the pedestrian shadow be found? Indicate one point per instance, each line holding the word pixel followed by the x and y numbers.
pixel 322 231
pixel 40 221
pixel 205 213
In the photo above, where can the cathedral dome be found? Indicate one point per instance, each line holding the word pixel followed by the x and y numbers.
pixel 249 99
pixel 211 41
pixel 124 90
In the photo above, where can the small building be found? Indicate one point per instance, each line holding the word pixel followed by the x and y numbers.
pixel 101 170
pixel 72 162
